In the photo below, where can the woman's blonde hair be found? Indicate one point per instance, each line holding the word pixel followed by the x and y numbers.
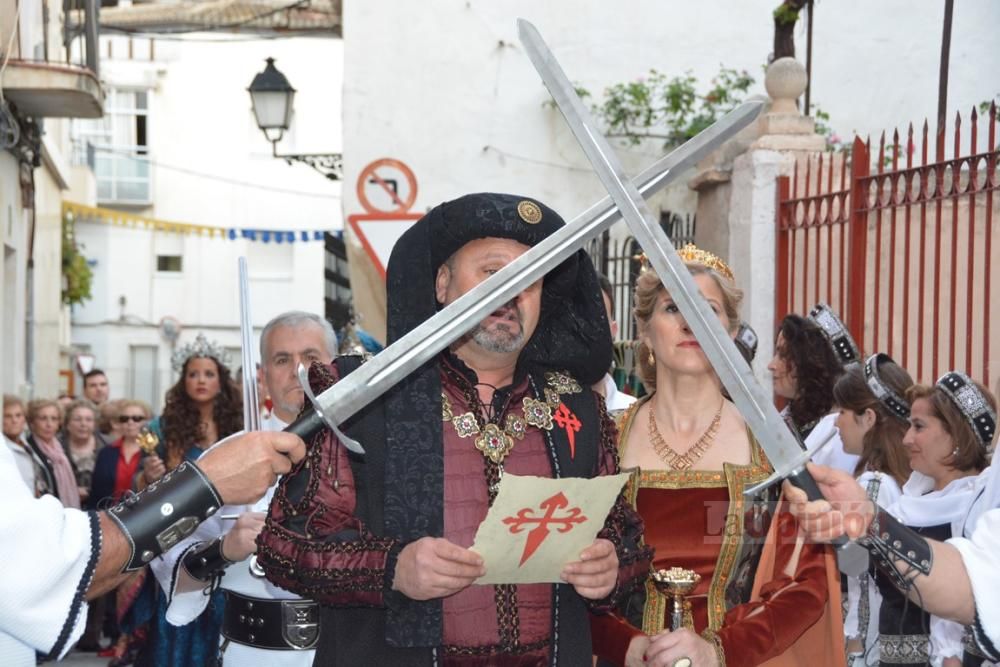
pixel 126 403
pixel 648 288
pixel 39 404
pixel 79 404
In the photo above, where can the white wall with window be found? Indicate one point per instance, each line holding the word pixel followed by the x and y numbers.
pixel 181 145
pixel 144 377
pixel 116 148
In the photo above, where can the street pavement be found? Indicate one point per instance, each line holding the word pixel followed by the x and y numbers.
pixel 81 659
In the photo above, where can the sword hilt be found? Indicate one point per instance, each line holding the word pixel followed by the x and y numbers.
pixel 311 422
pixel 307 425
pixel 852 558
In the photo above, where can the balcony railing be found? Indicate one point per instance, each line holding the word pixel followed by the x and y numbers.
pixel 123 174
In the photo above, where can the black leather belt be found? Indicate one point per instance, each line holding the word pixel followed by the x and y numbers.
pixel 282 625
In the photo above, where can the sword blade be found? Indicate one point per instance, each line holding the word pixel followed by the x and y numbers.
pixel 251 410
pixel 395 362
pixel 747 394
pixel 781 446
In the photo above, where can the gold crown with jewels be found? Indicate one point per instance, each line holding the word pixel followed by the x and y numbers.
pixel 691 253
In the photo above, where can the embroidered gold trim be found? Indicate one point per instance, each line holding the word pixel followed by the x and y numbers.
pixel 713 638
pixel 654 615
pixel 739 477
pixel 736 478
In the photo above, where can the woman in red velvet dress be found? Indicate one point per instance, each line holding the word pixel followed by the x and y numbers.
pixel 696 457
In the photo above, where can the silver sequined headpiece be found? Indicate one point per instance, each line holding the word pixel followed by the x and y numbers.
pixel 201 347
pixel 746 339
pixel 893 402
pixel 840 338
pixel 971 403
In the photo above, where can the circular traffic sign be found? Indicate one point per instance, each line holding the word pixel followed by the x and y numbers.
pixel 387 185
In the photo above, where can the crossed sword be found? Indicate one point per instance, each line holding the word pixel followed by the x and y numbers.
pixel 625 201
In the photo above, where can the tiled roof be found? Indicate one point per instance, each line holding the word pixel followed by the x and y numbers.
pixel 225 15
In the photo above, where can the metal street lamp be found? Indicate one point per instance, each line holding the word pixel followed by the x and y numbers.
pixel 271 96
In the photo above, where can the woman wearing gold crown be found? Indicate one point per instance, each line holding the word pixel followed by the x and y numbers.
pixel 760 589
pixel 203 407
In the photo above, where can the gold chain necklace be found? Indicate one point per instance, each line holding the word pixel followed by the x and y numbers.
pixel 674 459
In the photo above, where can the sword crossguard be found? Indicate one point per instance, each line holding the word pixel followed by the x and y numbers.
pixel 348 442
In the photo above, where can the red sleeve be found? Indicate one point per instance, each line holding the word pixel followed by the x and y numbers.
pixel 611 635
pixel 312 544
pixel 787 606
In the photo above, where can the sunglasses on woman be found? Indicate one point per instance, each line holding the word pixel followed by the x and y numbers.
pixel 124 419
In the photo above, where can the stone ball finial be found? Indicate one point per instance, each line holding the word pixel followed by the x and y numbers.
pixel 785 81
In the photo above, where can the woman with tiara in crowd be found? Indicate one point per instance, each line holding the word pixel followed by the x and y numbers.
pixel 203 407
pixel 755 597
pixel 810 354
pixel 874 417
pixel 946 450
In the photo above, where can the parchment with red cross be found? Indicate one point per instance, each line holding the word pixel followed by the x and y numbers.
pixel 537 525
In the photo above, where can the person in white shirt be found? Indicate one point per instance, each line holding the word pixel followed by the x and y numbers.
pixel 14 421
pixel 874 417
pixel 57 557
pixel 957 579
pixel 263 624
pixel 615 399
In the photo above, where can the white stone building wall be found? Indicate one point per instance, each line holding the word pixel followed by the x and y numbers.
pixel 32 355
pixel 444 85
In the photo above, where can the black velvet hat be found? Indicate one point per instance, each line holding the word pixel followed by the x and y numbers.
pixel 573 333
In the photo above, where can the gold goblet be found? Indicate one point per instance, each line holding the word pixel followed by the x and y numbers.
pixel 675 583
pixel 148 440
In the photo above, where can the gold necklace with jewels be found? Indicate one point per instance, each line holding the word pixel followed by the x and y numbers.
pixel 493 441
pixel 674 459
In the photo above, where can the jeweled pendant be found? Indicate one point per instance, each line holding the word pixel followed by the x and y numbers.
pixel 552 397
pixel 494 443
pixel 562 382
pixel 465 424
pixel 515 426
pixel 537 413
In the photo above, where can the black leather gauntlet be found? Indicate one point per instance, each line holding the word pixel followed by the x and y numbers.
pixel 206 561
pixel 889 541
pixel 166 512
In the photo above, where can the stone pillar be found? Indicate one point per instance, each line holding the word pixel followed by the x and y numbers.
pixel 746 236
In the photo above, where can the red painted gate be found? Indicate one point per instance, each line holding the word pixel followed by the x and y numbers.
pixel 902 247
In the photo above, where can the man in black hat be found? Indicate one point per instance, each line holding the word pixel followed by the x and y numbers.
pixel 386 534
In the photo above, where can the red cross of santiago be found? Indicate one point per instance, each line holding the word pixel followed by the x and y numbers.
pixel 538 534
pixel 569 423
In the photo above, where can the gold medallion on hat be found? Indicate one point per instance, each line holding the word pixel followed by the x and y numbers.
pixel 529 211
